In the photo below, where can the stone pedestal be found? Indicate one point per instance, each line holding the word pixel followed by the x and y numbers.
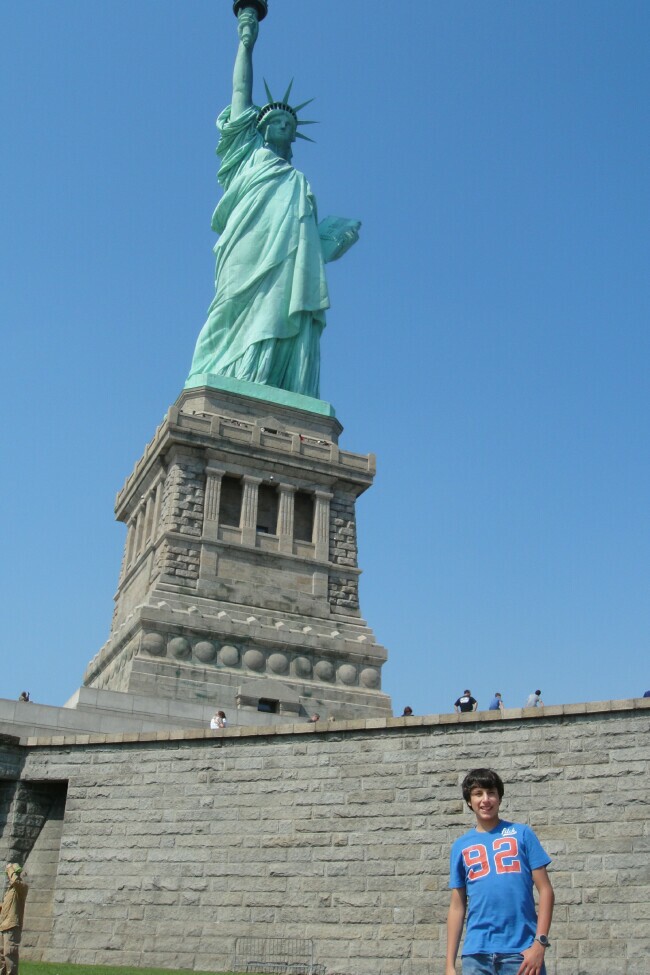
pixel 239 583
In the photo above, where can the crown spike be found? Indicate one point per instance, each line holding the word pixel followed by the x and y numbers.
pixel 268 92
pixel 308 102
pixel 285 99
pixel 299 135
pixel 304 121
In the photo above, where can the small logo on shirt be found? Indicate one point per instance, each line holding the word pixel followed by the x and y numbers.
pixel 509 831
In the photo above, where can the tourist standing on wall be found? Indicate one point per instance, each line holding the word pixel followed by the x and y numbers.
pixel 465 703
pixel 11 919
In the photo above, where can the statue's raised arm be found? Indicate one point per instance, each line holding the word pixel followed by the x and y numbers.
pixel 242 81
pixel 265 322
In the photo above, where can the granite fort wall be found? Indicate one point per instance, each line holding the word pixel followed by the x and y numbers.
pixel 173 845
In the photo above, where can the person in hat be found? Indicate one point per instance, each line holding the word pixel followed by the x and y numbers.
pixel 11 919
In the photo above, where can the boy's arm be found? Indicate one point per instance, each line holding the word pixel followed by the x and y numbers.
pixel 534 956
pixel 546 900
pixel 455 921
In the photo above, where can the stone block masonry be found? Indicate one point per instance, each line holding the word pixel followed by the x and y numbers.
pixel 183 497
pixel 343 589
pixel 176 844
pixel 182 515
pixel 240 566
pixel 343 530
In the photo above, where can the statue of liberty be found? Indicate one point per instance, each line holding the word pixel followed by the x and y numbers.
pixel 265 322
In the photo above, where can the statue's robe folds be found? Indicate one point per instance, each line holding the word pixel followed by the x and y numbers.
pixel 268 313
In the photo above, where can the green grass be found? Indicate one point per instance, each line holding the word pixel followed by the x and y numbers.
pixel 56 968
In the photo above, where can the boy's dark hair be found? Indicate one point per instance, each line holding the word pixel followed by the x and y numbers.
pixel 486 778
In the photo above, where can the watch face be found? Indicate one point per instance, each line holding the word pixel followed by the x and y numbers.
pixel 543 940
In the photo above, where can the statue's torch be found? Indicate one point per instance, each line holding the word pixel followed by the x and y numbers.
pixel 260 6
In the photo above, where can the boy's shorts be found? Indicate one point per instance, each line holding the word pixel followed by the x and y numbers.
pixel 498 964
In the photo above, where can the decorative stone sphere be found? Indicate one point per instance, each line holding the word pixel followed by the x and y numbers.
pixel 179 647
pixel 347 674
pixel 229 656
pixel 369 677
pixel 254 659
pixel 205 651
pixel 278 663
pixel 302 667
pixel 324 670
pixel 154 643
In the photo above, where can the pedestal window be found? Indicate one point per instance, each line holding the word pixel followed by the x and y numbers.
pixel 231 501
pixel 267 509
pixel 303 524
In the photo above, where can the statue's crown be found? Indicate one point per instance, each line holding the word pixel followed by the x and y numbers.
pixel 283 106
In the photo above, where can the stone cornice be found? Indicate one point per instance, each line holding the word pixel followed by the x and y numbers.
pixel 237 436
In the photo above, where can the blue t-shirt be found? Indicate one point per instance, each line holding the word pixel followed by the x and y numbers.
pixel 496 870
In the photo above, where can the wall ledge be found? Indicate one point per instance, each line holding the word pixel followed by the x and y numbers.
pixel 429 721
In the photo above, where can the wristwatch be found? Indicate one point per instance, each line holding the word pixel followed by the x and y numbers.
pixel 543 940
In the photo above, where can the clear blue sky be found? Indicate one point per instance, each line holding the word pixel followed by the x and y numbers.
pixel 488 337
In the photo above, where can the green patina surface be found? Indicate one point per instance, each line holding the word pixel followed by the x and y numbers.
pixel 265 322
pixel 259 391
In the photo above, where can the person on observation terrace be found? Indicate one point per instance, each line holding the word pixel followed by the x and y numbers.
pixel 534 700
pixel 465 703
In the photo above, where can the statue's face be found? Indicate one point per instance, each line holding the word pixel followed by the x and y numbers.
pixel 280 128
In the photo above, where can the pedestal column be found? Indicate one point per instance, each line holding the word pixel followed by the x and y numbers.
pixel 321 535
pixel 139 530
pixel 213 477
pixel 148 520
pixel 248 521
pixel 128 548
pixel 286 518
pixel 157 505
pixel 209 556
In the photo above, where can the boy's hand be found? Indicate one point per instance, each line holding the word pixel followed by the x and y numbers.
pixel 450 970
pixel 533 960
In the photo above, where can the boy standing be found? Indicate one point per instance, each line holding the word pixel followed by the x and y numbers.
pixel 495 865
